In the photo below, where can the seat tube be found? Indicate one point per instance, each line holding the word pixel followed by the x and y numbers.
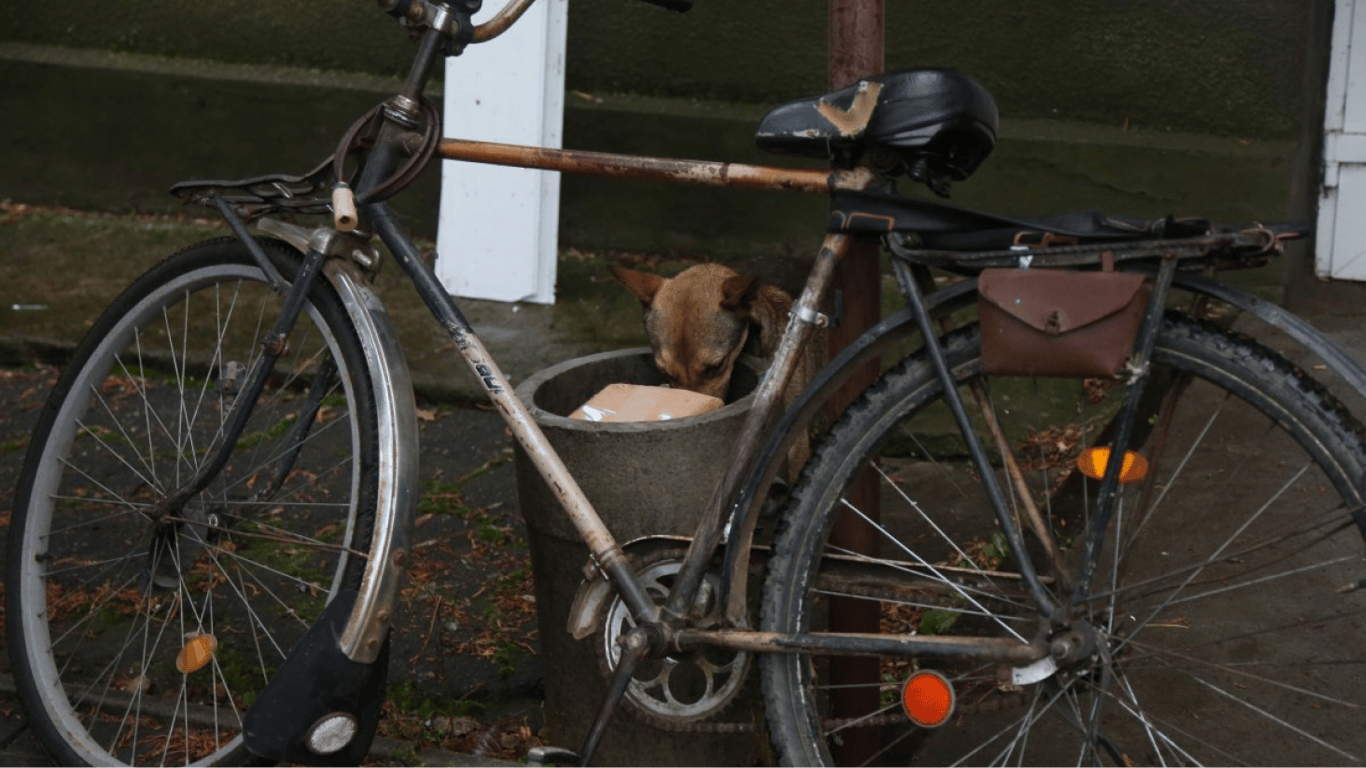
pixel 805 317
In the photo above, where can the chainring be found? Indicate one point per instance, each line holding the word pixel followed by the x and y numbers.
pixel 679 688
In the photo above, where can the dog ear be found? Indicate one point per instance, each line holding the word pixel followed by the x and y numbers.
pixel 643 284
pixel 738 292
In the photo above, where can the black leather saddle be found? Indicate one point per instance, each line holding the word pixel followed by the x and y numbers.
pixel 937 125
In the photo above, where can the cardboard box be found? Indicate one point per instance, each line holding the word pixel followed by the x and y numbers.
pixel 634 402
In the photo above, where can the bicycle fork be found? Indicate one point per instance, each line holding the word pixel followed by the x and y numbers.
pixel 275 344
pixel 323 703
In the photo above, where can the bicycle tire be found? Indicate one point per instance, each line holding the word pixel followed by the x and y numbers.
pixel 106 590
pixel 1225 634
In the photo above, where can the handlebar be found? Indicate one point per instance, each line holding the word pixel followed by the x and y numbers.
pixel 500 22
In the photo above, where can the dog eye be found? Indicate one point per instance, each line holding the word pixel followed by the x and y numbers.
pixel 712 371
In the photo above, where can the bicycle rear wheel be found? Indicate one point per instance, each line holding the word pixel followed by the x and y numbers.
pixel 1224 615
pixel 140 628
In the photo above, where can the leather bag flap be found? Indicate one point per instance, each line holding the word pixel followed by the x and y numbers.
pixel 1056 302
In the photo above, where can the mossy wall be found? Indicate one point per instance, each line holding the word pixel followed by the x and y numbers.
pixel 1139 107
pixel 1223 67
pixel 1226 67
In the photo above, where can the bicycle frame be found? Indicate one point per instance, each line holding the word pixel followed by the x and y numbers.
pixel 730 515
pixel 606 552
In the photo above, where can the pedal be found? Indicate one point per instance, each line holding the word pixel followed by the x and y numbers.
pixel 551 756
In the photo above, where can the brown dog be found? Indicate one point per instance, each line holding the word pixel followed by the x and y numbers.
pixel 701 321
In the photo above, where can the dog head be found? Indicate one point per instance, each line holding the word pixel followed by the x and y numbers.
pixel 698 322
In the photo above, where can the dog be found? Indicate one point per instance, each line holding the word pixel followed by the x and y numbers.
pixel 700 322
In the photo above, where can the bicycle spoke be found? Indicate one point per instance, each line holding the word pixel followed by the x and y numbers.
pixel 916 570
pixel 1339 521
pixel 91 431
pixel 1164 656
pixel 925 518
pixel 960 591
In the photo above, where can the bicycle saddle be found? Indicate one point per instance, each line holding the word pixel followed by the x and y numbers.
pixel 938 124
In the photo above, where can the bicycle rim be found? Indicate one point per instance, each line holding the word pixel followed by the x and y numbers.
pixel 141 631
pixel 1221 631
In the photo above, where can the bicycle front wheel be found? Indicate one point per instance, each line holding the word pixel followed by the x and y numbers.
pixel 142 623
pixel 1222 621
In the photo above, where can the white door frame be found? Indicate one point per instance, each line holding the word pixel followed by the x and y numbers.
pixel 1340 250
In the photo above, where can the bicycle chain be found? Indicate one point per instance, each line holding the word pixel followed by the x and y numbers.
pixel 708 727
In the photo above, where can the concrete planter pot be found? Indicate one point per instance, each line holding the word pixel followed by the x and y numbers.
pixel 643 478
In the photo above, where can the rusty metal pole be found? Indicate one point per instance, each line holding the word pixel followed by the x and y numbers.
pixel 856 51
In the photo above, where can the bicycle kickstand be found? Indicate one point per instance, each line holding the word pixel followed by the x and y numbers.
pixel 635 647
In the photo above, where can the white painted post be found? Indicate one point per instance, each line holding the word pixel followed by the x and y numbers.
pixel 498 227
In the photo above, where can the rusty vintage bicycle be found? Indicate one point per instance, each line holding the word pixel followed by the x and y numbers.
pixel 215 511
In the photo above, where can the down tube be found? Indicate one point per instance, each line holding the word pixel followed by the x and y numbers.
pixel 606 552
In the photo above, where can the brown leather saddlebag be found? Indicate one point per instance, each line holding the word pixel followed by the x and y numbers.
pixel 1059 323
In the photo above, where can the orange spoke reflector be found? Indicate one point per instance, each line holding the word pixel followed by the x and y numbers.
pixel 196 654
pixel 927 699
pixel 1092 463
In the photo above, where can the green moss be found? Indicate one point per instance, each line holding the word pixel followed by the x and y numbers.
pixel 937 621
pixel 273 432
pixel 409 698
pixel 242 674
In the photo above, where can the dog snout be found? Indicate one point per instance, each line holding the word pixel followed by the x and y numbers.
pixel 707 381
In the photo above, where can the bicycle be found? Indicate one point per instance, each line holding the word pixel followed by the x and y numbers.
pixel 213 518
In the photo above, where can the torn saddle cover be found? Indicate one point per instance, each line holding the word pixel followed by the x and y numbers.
pixel 1059 323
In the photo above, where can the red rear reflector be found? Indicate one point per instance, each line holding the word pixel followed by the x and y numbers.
pixel 927 699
